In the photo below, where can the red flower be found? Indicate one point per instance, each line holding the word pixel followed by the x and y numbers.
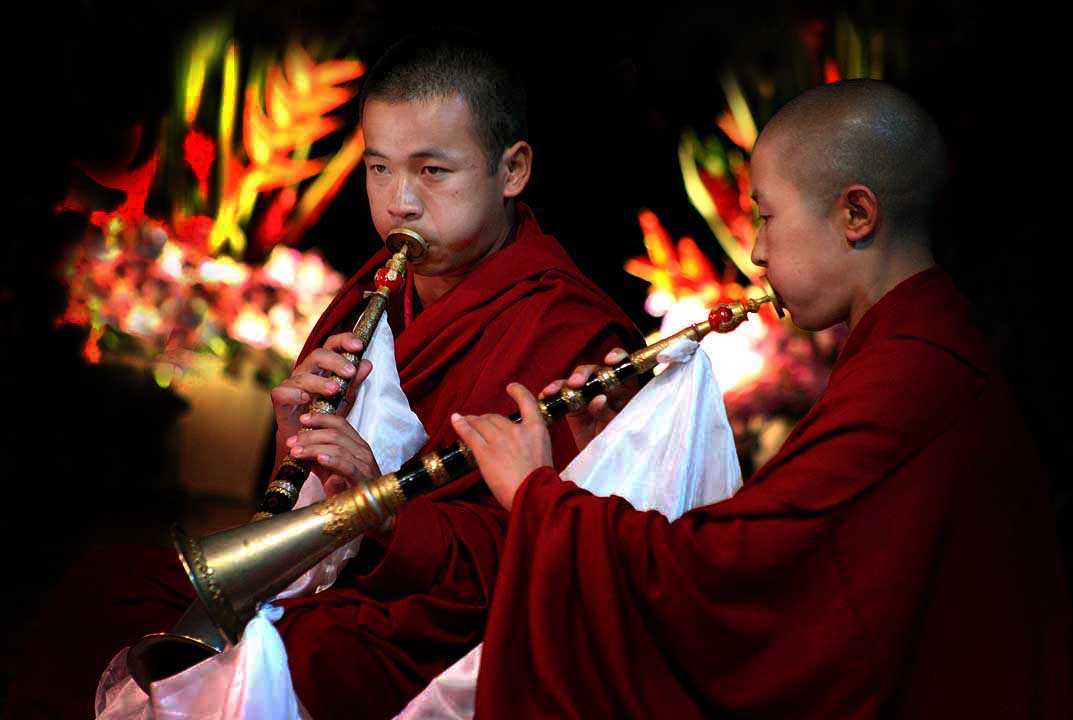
pixel 194 231
pixel 200 152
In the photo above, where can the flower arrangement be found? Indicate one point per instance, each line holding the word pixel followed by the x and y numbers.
pixel 216 274
pixel 152 295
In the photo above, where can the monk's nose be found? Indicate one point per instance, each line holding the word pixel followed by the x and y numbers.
pixel 404 204
pixel 759 254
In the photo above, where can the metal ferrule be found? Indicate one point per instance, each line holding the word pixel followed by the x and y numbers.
pixel 646 358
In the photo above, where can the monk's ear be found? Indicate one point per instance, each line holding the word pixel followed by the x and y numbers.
pixel 859 213
pixel 516 164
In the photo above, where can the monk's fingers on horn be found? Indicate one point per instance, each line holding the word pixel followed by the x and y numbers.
pixel 338 464
pixel 527 404
pixel 335 484
pixel 337 427
pixel 464 426
pixel 498 423
pixel 323 360
pixel 348 342
pixel 580 375
pixel 552 388
pixel 308 437
pixel 314 384
pixel 616 356
pixel 322 420
pixel 364 368
pixel 312 450
pixel 287 393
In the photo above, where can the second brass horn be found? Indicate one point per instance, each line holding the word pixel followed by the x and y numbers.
pixel 234 570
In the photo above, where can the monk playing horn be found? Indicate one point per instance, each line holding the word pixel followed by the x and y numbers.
pixel 896 558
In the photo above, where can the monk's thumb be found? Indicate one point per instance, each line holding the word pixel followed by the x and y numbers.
pixel 527 404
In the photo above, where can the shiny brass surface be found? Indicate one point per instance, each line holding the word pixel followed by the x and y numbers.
pixel 288 460
pixel 360 508
pixel 370 317
pixel 645 358
pixel 284 488
pixel 435 469
pixel 322 406
pixel 160 655
pixel 416 246
pixel 468 453
pixel 771 296
pixel 235 569
pixel 608 380
pixel 574 400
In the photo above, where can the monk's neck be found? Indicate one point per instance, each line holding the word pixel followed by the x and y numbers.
pixel 430 288
pixel 899 266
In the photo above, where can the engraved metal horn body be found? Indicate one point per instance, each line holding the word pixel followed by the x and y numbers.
pixel 234 570
pixel 196 636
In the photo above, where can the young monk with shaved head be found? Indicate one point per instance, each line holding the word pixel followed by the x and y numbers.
pixel 896 558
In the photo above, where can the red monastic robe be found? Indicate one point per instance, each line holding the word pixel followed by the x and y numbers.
pixel 897 558
pixel 416 600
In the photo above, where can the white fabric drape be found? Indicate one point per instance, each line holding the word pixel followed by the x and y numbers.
pixel 671 449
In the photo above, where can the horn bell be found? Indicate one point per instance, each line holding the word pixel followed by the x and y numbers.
pixel 194 638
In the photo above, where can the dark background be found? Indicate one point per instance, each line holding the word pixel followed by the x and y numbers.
pixel 610 91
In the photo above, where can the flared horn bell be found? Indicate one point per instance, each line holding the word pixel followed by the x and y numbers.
pixel 160 655
pixel 234 570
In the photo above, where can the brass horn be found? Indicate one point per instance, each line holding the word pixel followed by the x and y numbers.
pixel 234 570
pixel 195 636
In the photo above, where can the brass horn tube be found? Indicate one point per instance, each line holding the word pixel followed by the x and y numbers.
pixel 282 492
pixel 234 570
pixel 196 635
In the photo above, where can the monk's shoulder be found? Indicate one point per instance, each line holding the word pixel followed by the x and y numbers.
pixel 563 298
pixel 906 384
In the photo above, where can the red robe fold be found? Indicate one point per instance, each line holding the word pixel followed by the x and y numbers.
pixel 896 558
pixel 400 614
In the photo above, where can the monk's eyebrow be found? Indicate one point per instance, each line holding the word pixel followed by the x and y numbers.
pixel 429 153
pixel 432 153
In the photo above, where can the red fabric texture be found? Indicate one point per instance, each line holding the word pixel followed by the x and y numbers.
pixel 415 600
pixel 896 558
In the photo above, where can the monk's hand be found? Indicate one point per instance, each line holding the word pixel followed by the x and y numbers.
pixel 588 422
pixel 290 398
pixel 507 452
pixel 340 455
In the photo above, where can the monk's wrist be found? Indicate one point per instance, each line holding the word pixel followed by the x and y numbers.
pixel 538 486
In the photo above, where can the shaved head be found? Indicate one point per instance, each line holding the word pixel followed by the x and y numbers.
pixel 862 132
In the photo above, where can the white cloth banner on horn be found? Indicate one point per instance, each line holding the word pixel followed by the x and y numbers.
pixel 671 449
pixel 251 681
